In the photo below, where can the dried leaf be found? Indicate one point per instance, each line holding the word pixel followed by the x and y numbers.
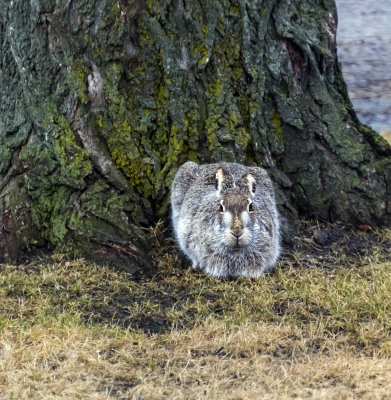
pixel 365 228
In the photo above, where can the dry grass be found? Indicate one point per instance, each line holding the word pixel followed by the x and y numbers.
pixel 317 328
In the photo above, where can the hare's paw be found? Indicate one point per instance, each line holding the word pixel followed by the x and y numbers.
pixel 218 270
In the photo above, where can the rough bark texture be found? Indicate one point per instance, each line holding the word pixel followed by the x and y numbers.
pixel 102 100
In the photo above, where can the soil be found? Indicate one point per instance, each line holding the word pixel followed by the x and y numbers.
pixel 354 243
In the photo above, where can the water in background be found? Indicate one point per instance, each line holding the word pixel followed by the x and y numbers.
pixel 364 50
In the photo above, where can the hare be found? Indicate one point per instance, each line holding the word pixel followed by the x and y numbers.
pixel 225 218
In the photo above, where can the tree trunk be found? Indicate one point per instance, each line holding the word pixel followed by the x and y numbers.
pixel 102 100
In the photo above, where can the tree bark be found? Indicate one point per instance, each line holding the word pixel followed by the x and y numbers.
pixel 102 100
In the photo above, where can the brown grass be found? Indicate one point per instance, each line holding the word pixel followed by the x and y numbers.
pixel 317 328
pixel 211 361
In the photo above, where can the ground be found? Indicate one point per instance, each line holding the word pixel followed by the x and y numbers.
pixel 317 327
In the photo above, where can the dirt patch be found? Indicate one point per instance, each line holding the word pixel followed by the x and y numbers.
pixel 323 244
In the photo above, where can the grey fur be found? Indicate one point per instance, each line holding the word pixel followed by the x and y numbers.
pixel 213 222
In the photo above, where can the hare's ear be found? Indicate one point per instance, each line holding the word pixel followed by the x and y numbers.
pixel 247 182
pixel 224 180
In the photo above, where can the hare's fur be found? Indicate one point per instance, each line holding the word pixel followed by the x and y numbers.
pixel 225 218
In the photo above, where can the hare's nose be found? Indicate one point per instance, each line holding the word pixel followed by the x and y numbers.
pixel 236 234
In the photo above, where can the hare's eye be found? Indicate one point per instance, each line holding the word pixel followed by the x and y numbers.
pixel 250 207
pixel 221 208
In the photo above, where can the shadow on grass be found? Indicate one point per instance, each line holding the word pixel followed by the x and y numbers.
pixel 177 297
